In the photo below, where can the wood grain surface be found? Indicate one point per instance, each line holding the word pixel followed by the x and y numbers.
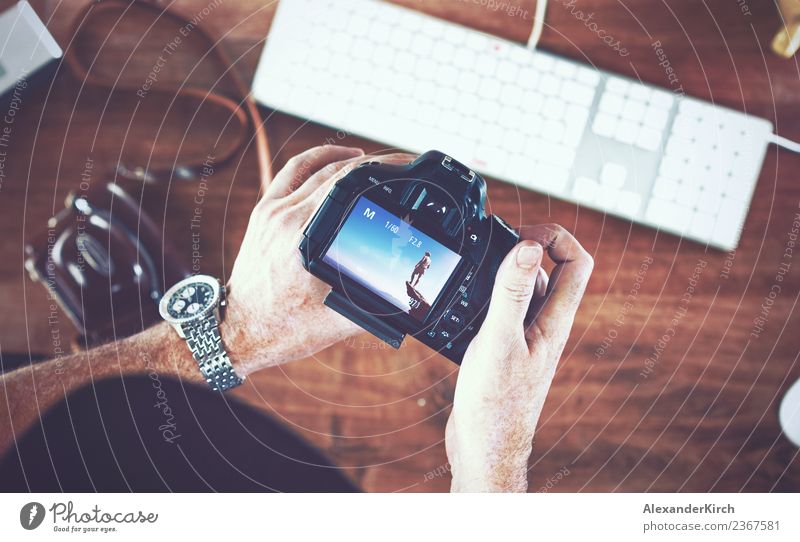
pixel 705 416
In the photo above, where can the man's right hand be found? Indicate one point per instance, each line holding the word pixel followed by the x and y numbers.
pixel 508 367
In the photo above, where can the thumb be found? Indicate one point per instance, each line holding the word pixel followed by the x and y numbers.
pixel 514 286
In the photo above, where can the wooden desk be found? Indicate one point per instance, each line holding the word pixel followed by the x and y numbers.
pixel 704 419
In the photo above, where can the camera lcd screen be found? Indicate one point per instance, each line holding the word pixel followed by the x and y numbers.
pixel 391 258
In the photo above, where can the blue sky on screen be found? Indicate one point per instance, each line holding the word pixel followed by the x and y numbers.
pixel 369 252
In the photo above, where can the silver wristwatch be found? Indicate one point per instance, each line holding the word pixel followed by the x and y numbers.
pixel 192 306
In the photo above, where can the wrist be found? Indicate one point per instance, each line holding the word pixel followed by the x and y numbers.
pixel 485 461
pixel 248 339
pixel 490 474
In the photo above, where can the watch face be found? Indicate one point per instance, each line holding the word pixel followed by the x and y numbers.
pixel 190 300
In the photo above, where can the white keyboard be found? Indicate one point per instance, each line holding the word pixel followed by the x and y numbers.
pixel 531 118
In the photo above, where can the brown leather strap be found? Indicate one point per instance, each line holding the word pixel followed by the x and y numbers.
pixel 245 110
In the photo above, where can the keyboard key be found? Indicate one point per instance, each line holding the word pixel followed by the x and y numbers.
pixel 476 41
pixel 542 61
pixel 649 139
pixel 507 71
pixel 486 64
pixel 613 175
pixel 626 131
pixel 709 201
pixel 577 94
pixel 492 134
pixel 533 102
pixel 549 85
pixel 655 117
pixel 585 190
pixel 588 76
pixel 452 33
pixel 554 108
pixel 617 85
pixel 565 70
pixel 633 111
pixel 691 108
pixel 607 198
pixel 514 142
pixel 576 115
pixel 511 94
pixel 702 225
pixel 729 222
pixel 611 103
pixel 668 215
pixel 604 125
pixel 662 99
pixel 488 110
pixel 629 203
pixel 468 102
pixel 520 168
pixel 639 92
pixel 688 194
pixel 528 78
pixel 551 179
pixel 666 188
pixel 446 76
pixel 490 89
pixel 443 53
pixel 463 59
pixel 400 39
pixel 469 82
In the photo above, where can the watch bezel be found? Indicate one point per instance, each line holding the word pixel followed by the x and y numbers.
pixel 163 305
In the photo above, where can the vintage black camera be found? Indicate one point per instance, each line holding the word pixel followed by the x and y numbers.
pixel 409 250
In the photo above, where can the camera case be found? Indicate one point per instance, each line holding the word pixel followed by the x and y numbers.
pixel 378 220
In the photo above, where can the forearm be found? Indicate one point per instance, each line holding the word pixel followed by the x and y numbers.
pixel 28 393
pixel 502 471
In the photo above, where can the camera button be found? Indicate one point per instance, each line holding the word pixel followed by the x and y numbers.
pixel 454 320
pixel 473 238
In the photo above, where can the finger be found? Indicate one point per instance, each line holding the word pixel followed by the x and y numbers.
pixel 331 172
pixel 299 168
pixel 539 293
pixel 541 284
pixel 513 289
pixel 555 312
pixel 394 159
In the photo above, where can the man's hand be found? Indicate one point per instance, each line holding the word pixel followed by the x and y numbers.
pixel 275 312
pixel 508 367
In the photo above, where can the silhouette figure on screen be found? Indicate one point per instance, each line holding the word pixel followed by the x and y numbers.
pixel 420 268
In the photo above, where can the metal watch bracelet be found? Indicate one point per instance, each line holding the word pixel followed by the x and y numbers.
pixel 205 343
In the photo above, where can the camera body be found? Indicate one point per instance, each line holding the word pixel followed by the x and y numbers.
pixel 409 249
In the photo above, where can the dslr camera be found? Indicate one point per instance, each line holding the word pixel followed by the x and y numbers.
pixel 409 250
